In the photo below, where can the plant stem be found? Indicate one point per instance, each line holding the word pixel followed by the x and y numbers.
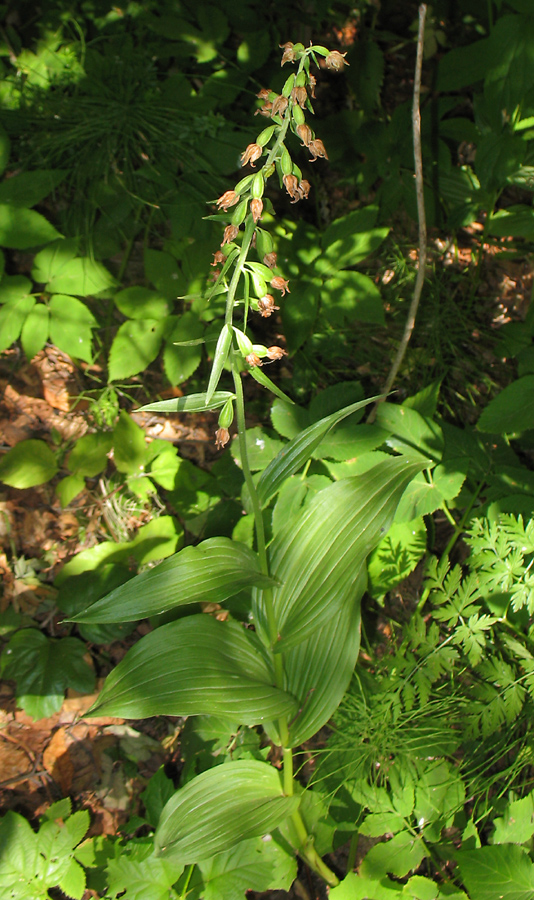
pixel 421 218
pixel 351 859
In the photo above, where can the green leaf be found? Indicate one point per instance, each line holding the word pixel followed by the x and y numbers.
pixel 319 670
pixel 358 887
pixel 236 801
pixel 89 456
pixel 410 432
pixel 28 463
pixel 24 228
pixel 43 669
pixel 402 854
pixel 12 318
pixel 81 276
pixel 70 326
pixel 12 287
pixel 195 666
pixel 293 455
pixel 498 156
pixel 215 570
pixel 349 240
pixel 261 448
pixel 146 879
pixel 260 864
pixel 517 824
pixel 5 148
pixel 351 296
pixel 504 871
pixel 156 540
pixel 396 556
pixel 191 403
pixel 135 346
pixel 50 260
pixel 156 794
pixel 511 410
pixel 181 362
pixel 318 557
pixel 69 488
pixel 29 188
pixel 142 303
pixel 35 330
pixel 164 273
pixel 72 881
pixel 129 445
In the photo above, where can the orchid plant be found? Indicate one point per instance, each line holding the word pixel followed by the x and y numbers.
pixel 286 668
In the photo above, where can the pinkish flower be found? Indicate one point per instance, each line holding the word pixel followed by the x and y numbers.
pixel 312 81
pixel 279 106
pixel 291 185
pixel 336 60
pixel 317 149
pixel 270 260
pixel 218 257
pixel 266 306
pixel 251 154
pixel 280 284
pixel 227 199
pixel 230 233
pixel 305 134
pixel 222 436
pixel 276 352
pixel 253 360
pixel 256 208
pixel 299 95
pixel 304 189
pixel 263 94
pixel 289 54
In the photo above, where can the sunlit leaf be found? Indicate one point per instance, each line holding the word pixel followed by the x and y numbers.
pixel 220 807
pixel 195 666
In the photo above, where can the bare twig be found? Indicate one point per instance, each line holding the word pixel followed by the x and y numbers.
pixel 419 189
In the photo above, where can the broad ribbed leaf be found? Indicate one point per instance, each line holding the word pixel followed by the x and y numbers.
pixel 220 807
pixel 191 403
pixel 212 572
pixel 318 557
pixel 195 666
pixel 319 670
pixel 295 454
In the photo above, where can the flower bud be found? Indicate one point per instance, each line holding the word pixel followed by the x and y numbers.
pixel 288 86
pixel 336 60
pixel 243 184
pixel 265 136
pixel 317 149
pixel 297 115
pixel 258 186
pixel 285 162
pixel 305 134
pixel 291 185
pixel 270 260
pixel 300 80
pixel 230 233
pixel 251 154
pixel 280 284
pixel 256 208
pixel 243 342
pixel 299 95
pixel 222 436
pixel 226 415
pixel 227 199
pixel 240 213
